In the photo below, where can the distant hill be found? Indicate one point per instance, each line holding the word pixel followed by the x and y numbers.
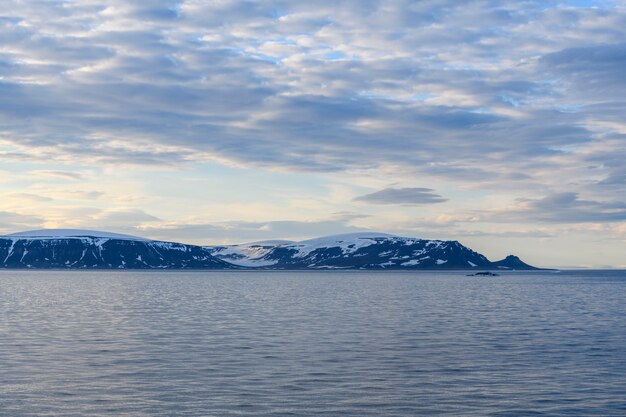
pixel 513 262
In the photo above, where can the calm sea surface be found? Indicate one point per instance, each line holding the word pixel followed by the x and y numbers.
pixel 312 344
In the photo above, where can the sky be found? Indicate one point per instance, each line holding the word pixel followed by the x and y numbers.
pixel 501 124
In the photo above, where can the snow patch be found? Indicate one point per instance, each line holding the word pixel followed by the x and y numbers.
pixel 248 254
pixel 348 243
pixel 169 245
pixel 330 241
pixel 276 242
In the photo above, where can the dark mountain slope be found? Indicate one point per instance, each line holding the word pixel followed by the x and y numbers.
pixel 103 252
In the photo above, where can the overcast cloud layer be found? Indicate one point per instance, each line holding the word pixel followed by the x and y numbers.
pixel 523 102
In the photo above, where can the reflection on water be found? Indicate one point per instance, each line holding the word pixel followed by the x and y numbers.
pixel 311 343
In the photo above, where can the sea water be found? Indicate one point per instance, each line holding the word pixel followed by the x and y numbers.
pixel 78 343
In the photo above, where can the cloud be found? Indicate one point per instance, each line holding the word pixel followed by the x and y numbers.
pixel 126 217
pixel 328 86
pixel 12 222
pixel 407 196
pixel 596 71
pixel 246 231
pixel 111 219
pixel 79 195
pixel 60 174
pixel 28 197
pixel 530 234
pixel 563 207
pixel 513 99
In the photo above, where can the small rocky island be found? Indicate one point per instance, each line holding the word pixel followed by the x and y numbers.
pixel 484 274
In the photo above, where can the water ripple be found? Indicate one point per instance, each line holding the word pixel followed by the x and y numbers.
pixel 311 344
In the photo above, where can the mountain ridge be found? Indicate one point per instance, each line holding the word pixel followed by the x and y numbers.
pixel 362 251
pixel 102 251
pixel 88 249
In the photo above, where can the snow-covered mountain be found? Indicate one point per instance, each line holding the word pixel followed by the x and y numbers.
pixel 67 248
pixel 361 251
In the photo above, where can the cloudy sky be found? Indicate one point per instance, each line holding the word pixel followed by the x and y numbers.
pixel 501 124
